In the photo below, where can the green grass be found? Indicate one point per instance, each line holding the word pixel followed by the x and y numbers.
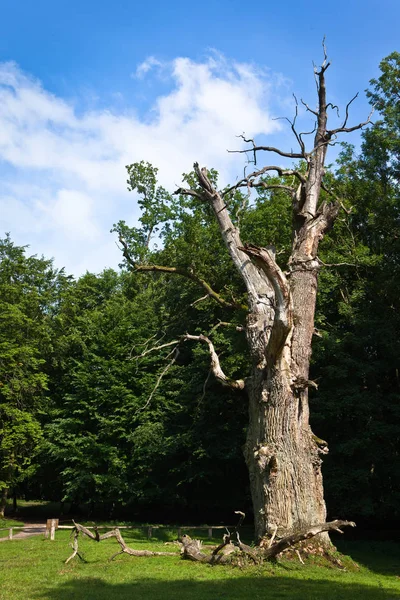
pixel 9 523
pixel 34 569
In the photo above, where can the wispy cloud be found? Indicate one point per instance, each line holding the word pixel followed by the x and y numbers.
pixel 150 63
pixel 62 171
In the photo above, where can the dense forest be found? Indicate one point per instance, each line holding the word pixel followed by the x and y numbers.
pixel 92 415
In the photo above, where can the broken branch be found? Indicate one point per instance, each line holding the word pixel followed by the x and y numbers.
pixel 113 533
pixel 189 274
pixel 292 540
pixel 237 384
pixel 249 181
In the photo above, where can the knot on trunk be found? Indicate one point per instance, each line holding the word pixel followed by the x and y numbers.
pixel 322 445
pixel 266 459
pixel 300 383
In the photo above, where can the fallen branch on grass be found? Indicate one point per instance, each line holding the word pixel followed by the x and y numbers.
pixel 113 533
pixel 222 554
pixel 191 549
pixel 306 534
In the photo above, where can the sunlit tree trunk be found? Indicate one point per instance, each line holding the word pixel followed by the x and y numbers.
pixel 3 501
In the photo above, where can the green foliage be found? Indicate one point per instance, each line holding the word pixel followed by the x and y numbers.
pixel 157 209
pixel 20 435
pixel 28 296
pixel 107 441
pixel 357 407
pixel 383 141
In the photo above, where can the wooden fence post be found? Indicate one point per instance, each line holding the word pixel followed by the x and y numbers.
pixel 210 532
pixel 10 534
pixel 51 526
pixel 150 532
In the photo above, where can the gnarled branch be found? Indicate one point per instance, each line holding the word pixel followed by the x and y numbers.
pixel 252 278
pixel 192 550
pixel 249 181
pixel 236 384
pixel 283 310
pixel 344 129
pixel 187 273
pixel 256 149
pixel 310 532
pixel 114 533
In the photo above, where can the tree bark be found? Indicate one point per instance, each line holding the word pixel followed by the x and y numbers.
pixel 3 501
pixel 280 451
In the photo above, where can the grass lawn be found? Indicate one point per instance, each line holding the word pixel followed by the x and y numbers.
pixel 34 569
pixel 9 523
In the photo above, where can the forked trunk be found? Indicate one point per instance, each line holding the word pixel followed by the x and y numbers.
pixel 281 452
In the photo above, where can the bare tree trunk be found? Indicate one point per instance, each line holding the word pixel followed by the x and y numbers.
pixel 281 453
pixel 3 501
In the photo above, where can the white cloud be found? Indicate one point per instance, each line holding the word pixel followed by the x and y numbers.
pixel 146 66
pixel 62 173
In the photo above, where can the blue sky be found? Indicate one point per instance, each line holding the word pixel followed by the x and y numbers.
pixel 75 105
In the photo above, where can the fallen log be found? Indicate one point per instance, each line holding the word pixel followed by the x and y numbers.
pixel 224 553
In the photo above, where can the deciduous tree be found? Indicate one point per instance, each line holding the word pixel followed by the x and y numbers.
pixel 27 295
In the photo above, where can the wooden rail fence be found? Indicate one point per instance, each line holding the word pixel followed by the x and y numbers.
pixel 53 524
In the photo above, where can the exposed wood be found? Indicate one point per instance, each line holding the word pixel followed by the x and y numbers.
pixel 236 384
pixel 75 547
pixel 192 549
pixel 51 526
pixel 306 534
pixel 114 533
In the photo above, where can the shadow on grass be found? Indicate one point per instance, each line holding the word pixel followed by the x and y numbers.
pixel 379 557
pixel 254 588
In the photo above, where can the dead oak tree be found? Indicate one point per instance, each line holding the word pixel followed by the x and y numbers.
pixel 282 454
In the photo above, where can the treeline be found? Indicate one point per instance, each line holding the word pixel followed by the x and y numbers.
pixel 102 404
